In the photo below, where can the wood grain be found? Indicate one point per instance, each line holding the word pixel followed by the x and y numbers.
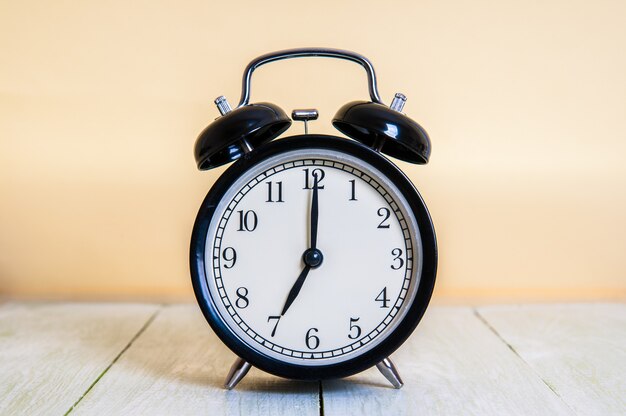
pixel 177 366
pixel 50 354
pixel 452 365
pixel 578 350
pixel 500 360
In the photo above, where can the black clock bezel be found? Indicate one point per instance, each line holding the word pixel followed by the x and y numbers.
pixel 368 358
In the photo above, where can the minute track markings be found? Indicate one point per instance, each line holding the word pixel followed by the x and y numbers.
pixel 401 222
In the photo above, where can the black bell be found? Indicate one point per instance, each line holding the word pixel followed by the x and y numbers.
pixel 238 132
pixel 384 129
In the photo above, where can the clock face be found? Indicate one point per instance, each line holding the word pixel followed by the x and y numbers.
pixel 312 257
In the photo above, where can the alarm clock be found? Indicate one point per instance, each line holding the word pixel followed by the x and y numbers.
pixel 313 256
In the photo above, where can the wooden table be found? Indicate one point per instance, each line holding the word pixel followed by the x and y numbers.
pixel 136 359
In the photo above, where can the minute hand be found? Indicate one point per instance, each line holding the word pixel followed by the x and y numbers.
pixel 314 217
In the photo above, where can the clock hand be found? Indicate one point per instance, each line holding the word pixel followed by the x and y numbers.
pixel 312 257
pixel 296 288
pixel 314 216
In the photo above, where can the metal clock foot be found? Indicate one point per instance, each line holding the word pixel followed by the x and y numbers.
pixel 237 372
pixel 390 372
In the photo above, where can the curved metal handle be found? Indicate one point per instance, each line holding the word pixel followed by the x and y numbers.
pixel 305 52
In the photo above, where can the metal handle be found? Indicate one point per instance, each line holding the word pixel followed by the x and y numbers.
pixel 305 52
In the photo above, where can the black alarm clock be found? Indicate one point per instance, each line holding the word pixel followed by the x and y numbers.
pixel 313 256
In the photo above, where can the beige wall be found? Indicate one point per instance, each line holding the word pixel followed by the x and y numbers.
pixel 525 102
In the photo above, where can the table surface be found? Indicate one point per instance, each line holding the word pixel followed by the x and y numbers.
pixel 135 359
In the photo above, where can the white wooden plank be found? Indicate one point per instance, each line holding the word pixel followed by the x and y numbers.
pixel 177 367
pixel 452 365
pixel 51 353
pixel 578 350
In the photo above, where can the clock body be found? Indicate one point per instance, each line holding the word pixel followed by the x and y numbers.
pixel 370 285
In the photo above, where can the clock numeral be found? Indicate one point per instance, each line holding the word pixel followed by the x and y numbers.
pixel 277 318
pixel 385 214
pixel 242 301
pixel 312 339
pixel 382 297
pixel 398 256
pixel 229 255
pixel 352 190
pixel 354 327
pixel 247 220
pixel 279 191
pixel 314 177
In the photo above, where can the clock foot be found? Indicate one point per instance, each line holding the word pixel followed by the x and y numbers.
pixel 390 372
pixel 237 372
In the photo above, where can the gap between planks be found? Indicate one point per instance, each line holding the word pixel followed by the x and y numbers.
pixel 117 357
pixel 501 338
pixel 321 398
pixel 578 348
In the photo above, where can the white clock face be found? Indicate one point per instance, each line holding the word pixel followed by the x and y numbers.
pixel 370 257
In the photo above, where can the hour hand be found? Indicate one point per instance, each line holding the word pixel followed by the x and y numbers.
pixel 293 293
pixel 312 259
